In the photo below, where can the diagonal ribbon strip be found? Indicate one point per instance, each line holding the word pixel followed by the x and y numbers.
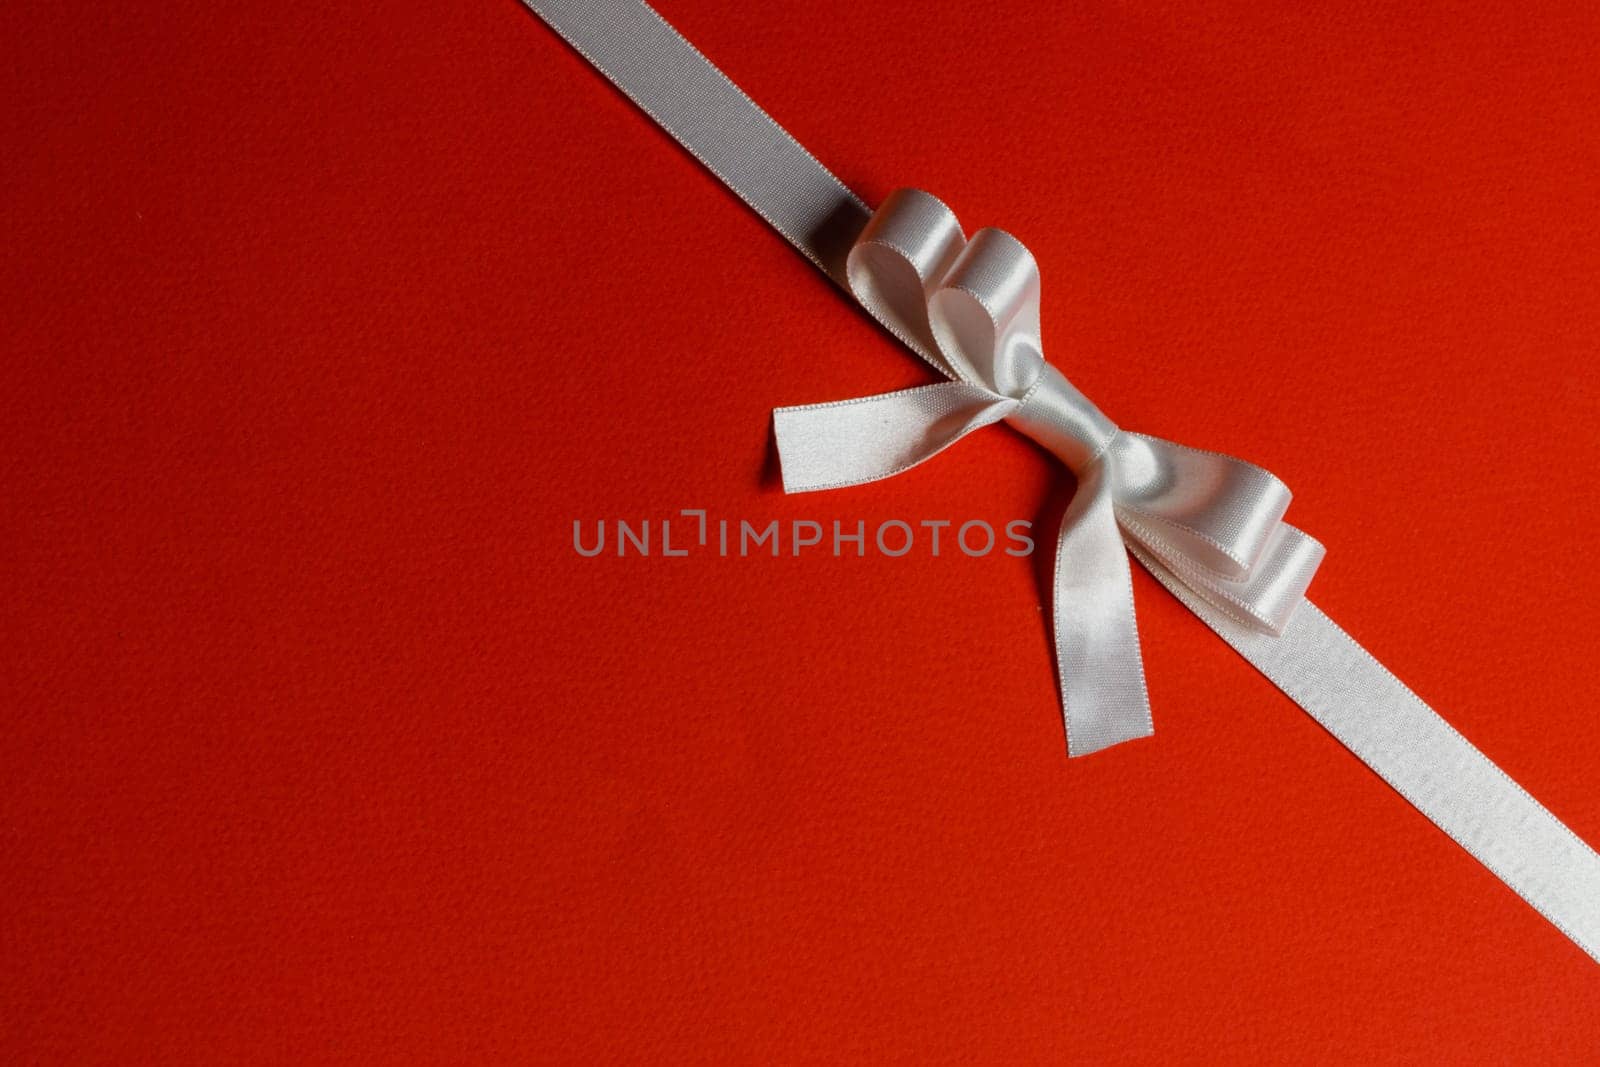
pixel 1207 526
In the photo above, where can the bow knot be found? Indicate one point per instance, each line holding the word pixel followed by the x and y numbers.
pixel 970 308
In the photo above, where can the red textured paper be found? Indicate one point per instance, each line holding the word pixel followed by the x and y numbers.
pixel 323 323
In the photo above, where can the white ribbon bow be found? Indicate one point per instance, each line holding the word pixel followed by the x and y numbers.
pixel 1209 528
pixel 971 309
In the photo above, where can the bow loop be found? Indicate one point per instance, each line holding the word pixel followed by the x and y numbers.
pixel 898 261
pixel 1217 522
pixel 970 308
pixel 985 314
pixel 1220 509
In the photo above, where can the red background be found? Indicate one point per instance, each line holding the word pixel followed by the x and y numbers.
pixel 323 322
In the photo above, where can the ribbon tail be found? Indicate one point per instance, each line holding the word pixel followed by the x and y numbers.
pixel 1103 697
pixel 828 446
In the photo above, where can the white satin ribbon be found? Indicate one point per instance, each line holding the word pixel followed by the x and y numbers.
pixel 1207 526
pixel 971 309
